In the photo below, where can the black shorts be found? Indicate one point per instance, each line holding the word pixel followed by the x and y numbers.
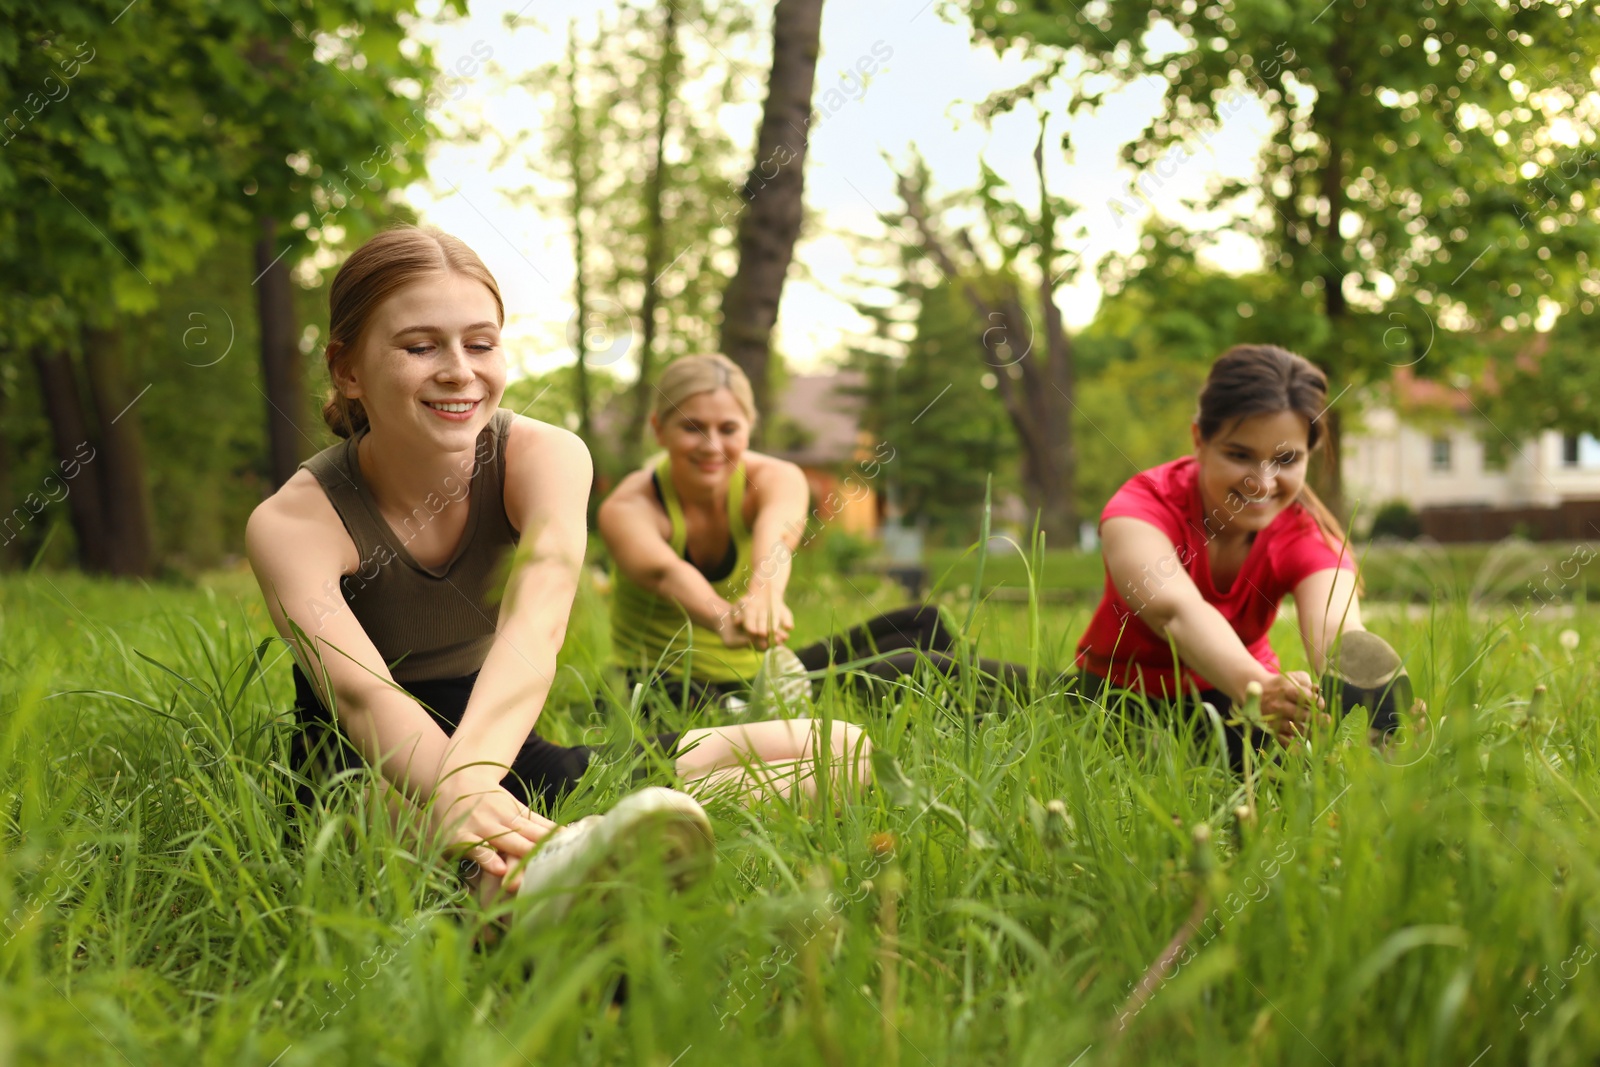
pixel 541 768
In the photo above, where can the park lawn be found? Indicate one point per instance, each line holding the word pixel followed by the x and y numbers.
pixel 1435 906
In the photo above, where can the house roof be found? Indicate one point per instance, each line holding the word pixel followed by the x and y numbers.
pixel 828 412
pixel 1411 392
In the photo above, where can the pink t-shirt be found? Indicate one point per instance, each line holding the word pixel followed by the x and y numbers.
pixel 1120 647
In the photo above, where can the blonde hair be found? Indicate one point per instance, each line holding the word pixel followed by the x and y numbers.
pixel 374 272
pixel 693 375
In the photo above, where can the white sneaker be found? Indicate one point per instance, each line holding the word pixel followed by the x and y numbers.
pixel 594 848
pixel 781 685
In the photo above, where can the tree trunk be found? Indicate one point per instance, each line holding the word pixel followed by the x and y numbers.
pixel 123 497
pixel 655 236
pixel 1054 403
pixel 1331 482
pixel 580 198
pixel 280 357
pixel 76 455
pixel 773 195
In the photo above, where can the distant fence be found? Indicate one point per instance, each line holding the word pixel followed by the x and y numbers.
pixel 1572 520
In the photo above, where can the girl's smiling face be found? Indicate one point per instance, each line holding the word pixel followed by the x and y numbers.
pixel 706 435
pixel 1251 471
pixel 430 366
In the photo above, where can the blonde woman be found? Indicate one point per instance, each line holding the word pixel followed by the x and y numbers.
pixel 702 540
pixel 381 562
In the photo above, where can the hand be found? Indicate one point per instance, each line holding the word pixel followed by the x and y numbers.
pixel 482 821
pixel 729 630
pixel 1289 701
pixel 765 618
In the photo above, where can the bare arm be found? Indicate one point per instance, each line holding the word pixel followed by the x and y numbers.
pixel 548 473
pixel 1328 605
pixel 1145 568
pixel 781 498
pixel 630 525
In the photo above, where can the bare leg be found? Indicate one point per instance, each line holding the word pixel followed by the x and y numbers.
pixel 772 758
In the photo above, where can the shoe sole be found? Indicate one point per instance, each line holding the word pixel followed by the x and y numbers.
pixel 655 820
pixel 669 824
pixel 1369 673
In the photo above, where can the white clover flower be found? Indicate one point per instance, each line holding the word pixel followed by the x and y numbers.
pixel 1568 639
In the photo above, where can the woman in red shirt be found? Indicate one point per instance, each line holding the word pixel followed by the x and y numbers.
pixel 1199 552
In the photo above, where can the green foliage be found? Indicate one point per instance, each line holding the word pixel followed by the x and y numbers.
pixel 1427 172
pixel 1396 519
pixel 936 407
pixel 149 142
pixel 606 138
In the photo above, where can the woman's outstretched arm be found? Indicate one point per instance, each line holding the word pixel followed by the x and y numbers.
pixel 781 498
pixel 630 525
pixel 548 473
pixel 1328 605
pixel 1146 570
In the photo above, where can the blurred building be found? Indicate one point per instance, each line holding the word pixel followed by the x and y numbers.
pixel 818 427
pixel 1430 447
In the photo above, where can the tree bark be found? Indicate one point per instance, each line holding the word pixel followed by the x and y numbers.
pixel 773 195
pixel 69 433
pixel 655 235
pixel 280 357
pixel 124 496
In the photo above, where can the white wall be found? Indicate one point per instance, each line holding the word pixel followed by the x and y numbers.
pixel 1390 460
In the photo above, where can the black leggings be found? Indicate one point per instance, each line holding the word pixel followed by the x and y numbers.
pixel 1187 711
pixel 921 631
pixel 541 768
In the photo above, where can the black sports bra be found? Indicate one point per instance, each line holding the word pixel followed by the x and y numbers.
pixel 730 559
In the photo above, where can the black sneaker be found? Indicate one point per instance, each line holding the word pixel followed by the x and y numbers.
pixel 1367 671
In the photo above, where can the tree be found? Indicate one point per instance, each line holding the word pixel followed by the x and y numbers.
pixel 644 168
pixel 103 163
pixel 126 160
pixel 935 405
pixel 774 195
pixel 1032 364
pixel 319 137
pixel 1428 170
pixel 1165 317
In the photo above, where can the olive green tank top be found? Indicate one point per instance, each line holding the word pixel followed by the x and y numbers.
pixel 653 633
pixel 427 624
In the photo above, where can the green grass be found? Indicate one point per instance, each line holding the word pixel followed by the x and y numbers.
pixel 1437 906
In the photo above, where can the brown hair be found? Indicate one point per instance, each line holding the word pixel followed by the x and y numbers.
pixel 693 375
pixel 374 272
pixel 1250 380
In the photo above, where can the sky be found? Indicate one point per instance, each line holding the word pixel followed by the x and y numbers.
pixel 922 95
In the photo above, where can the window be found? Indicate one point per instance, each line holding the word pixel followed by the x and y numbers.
pixel 1441 454
pixel 1580 451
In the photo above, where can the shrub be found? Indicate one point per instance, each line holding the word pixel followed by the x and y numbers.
pixel 1396 519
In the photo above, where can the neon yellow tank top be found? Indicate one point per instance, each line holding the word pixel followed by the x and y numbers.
pixel 653 633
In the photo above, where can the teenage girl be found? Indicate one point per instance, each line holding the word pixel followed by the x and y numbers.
pixel 702 539
pixel 1201 551
pixel 383 564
